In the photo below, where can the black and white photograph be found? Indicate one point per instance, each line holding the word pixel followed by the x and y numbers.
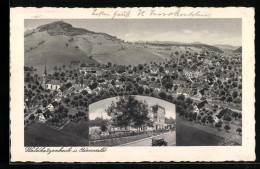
pixel 132 121
pixel 133 82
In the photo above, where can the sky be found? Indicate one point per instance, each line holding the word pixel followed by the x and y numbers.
pixel 97 109
pixel 208 31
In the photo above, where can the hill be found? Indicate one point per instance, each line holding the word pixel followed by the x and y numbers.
pixel 59 43
pixel 238 50
pixel 179 44
pixel 226 47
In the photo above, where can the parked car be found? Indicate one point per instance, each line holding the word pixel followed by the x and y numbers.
pixel 159 142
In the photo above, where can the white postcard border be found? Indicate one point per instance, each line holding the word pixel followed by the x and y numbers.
pixel 246 152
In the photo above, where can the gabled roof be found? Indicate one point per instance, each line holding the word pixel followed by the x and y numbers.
pixel 202 104
pixel 142 82
pixel 54 82
pixel 70 81
pixel 178 82
pixel 118 83
pixel 62 89
pixel 154 85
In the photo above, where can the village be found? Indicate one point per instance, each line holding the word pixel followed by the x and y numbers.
pixel 206 87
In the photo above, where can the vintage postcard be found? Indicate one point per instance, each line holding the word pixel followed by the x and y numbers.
pixel 132 84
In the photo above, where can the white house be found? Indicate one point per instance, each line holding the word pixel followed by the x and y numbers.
pixel 216 119
pixel 196 110
pixel 88 90
pixel 50 107
pixel 43 117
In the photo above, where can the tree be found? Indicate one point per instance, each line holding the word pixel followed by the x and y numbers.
pixel 147 92
pixel 103 127
pixel 31 117
pixel 168 85
pixel 229 99
pixel 223 98
pixel 235 114
pixel 194 116
pixel 67 100
pixel 239 116
pixel 161 69
pixel 175 87
pixel 140 66
pixel 189 101
pixel 38 111
pixel 218 125
pixel 163 95
pixel 239 130
pixel 169 98
pixel 210 119
pixel 140 90
pixel 203 119
pixel 128 111
pixel 227 118
pixel 181 97
pixel 227 127
pixel 234 94
pixel 44 103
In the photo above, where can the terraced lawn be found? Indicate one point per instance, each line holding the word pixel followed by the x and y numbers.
pixel 38 134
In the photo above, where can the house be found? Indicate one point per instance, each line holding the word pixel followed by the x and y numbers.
pixel 26 98
pixel 52 105
pixel 103 86
pixel 45 116
pixel 202 58
pixel 179 90
pixel 118 84
pixel 53 84
pixel 85 70
pixel 78 89
pixel 179 82
pixel 42 118
pixel 169 70
pixel 142 82
pixel 154 69
pixel 57 99
pixel 154 85
pixel 62 90
pixel 216 119
pixel 191 73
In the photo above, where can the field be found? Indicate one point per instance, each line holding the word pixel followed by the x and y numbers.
pixel 74 134
pixel 190 136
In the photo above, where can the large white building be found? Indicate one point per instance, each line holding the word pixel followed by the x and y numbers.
pixel 53 85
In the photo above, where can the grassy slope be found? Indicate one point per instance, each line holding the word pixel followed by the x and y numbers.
pixel 80 129
pixel 55 51
pixel 190 136
pixel 41 135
